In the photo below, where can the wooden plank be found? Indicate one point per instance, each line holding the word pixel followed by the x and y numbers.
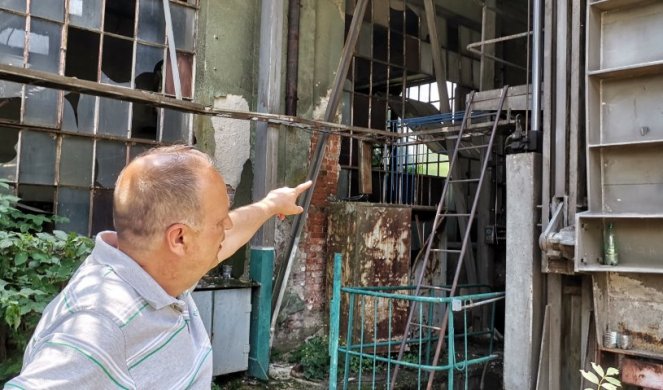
pixel 555 318
pixel 576 109
pixel 542 373
pixel 365 167
pixel 547 123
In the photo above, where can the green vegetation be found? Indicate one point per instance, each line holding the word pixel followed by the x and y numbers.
pixel 602 379
pixel 34 266
pixel 313 356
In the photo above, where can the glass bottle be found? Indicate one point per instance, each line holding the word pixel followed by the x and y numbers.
pixel 610 256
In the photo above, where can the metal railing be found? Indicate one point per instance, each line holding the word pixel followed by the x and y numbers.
pixel 373 334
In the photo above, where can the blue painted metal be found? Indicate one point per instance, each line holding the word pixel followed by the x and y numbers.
pixel 261 271
pixel 335 322
pixel 379 351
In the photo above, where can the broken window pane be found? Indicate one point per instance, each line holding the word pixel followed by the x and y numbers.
pixel 76 162
pixel 44 45
pixel 111 158
pixel 75 205
pixel 185 66
pixel 137 149
pixel 85 13
pixel 49 9
pixel 183 19
pixel 113 117
pixel 119 17
pixel 8 142
pixel 102 210
pixel 10 100
pixel 149 68
pixel 37 197
pixel 151 22
pixel 144 122
pixel 78 112
pixel 16 5
pixel 37 165
pixel 116 61
pixel 12 39
pixel 41 106
pixel 82 54
pixel 176 126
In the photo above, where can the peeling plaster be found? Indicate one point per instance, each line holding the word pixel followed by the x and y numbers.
pixel 321 107
pixel 232 139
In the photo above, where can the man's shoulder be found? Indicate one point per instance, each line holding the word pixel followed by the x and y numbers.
pixel 96 288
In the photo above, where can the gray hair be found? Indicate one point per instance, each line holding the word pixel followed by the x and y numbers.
pixel 159 194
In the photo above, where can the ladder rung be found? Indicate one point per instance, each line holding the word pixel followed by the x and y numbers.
pixel 445 250
pixel 455 215
pixel 464 181
pixel 473 147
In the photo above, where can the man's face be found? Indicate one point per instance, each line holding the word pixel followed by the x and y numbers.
pixel 208 237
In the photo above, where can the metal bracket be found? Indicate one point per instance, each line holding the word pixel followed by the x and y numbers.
pixel 558 237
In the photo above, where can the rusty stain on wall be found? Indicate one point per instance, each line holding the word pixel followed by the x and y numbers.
pixel 641 373
pixel 374 240
pixel 630 303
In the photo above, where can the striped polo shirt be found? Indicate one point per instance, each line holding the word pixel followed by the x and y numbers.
pixel 114 327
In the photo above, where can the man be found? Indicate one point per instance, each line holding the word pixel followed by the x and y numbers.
pixel 126 319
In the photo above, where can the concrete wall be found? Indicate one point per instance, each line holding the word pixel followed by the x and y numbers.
pixel 524 284
pixel 322 29
pixel 227 76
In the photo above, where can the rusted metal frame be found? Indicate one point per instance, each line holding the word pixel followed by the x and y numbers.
pixel 471 48
pixel 440 78
pixel 429 241
pixel 438 65
pixel 283 273
pixel 50 80
pixel 174 68
pixel 466 236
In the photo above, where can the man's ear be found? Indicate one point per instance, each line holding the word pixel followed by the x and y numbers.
pixel 175 238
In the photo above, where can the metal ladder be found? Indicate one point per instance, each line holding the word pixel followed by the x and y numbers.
pixel 440 215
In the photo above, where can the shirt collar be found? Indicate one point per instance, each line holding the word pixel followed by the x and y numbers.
pixel 130 271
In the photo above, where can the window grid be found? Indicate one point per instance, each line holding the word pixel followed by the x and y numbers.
pixel 62 151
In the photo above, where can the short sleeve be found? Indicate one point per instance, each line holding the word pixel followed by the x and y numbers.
pixel 86 351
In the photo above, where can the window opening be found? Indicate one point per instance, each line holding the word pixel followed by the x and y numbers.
pixel 63 150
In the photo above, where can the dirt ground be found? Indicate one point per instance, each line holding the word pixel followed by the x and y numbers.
pixel 281 378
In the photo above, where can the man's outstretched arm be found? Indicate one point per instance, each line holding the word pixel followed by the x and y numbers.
pixel 248 219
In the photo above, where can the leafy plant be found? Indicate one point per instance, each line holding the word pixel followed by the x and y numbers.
pixel 602 379
pixel 313 356
pixel 34 266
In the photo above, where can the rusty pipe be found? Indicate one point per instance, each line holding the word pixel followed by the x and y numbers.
pixel 292 58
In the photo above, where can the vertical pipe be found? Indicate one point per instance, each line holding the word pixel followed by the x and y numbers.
pixel 292 58
pixel 261 270
pixel 269 101
pixel 334 323
pixel 536 65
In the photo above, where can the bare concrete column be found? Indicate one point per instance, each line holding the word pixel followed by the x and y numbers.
pixel 524 293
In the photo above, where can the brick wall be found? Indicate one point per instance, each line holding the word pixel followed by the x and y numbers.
pixel 306 303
